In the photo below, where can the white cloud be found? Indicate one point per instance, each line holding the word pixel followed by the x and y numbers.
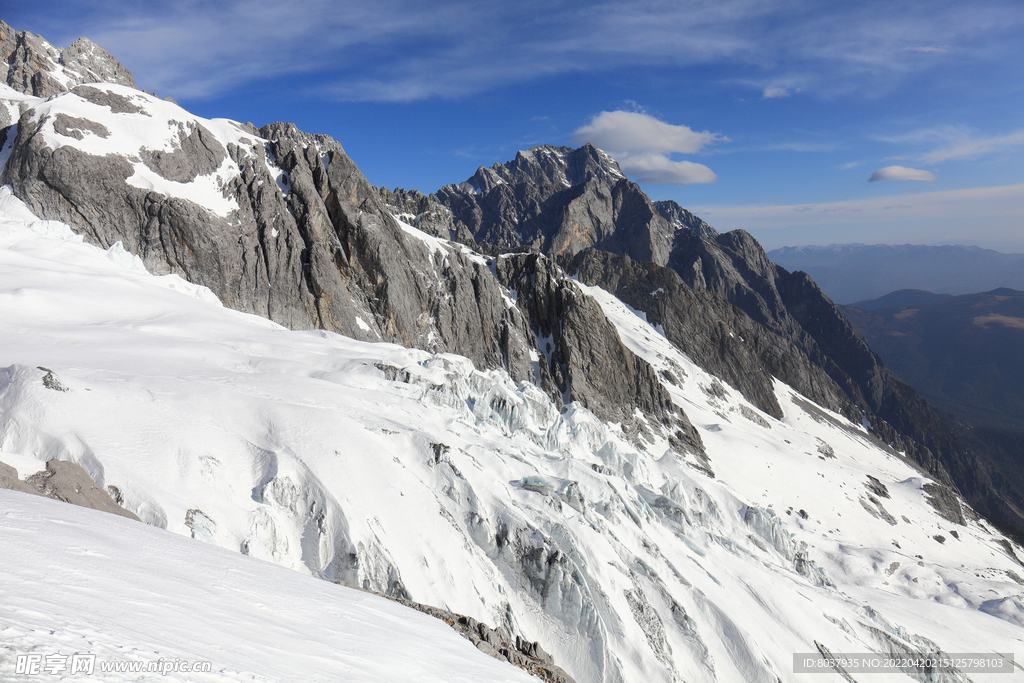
pixel 643 144
pixel 630 132
pixel 969 146
pixel 900 173
pixel 774 91
pixel 658 169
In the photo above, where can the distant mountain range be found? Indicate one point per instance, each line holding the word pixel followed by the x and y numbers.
pixel 850 273
pixel 962 353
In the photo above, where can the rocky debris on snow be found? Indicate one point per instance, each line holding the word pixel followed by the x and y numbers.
pixel 496 642
pixel 50 380
pixel 65 481
pixel 876 487
pixel 945 501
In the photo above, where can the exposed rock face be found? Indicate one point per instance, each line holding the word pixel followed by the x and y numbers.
pixel 198 153
pixel 65 481
pixel 9 480
pixel 498 643
pixel 680 218
pixel 560 201
pixel 582 352
pixel 35 67
pixel 424 213
pixel 735 267
pixel 324 254
pixel 715 334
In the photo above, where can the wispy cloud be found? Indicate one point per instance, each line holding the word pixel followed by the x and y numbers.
pixel 996 214
pixel 1005 200
pixel 399 50
pixel 790 146
pixel 954 142
pixel 643 145
pixel 775 91
pixel 900 173
pixel 973 147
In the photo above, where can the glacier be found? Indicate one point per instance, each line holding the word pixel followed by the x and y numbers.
pixel 417 475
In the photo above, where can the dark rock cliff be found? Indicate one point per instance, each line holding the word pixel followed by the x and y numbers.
pixel 713 290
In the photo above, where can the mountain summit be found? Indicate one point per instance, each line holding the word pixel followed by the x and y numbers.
pixel 37 68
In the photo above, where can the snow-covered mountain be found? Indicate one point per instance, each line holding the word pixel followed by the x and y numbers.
pixel 485 433
pixel 701 286
pixel 416 474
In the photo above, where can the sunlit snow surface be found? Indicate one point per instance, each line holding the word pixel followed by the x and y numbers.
pixel 81 581
pixel 475 494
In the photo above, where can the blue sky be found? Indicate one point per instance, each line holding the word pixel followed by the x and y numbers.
pixel 802 122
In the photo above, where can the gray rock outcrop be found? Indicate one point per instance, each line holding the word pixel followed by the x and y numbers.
pixel 498 643
pixel 65 481
pixel 583 355
pixel 324 254
pixel 424 213
pixel 37 68
pixel 679 218
pixel 9 480
pixel 559 201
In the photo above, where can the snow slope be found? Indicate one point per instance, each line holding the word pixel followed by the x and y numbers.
pixel 86 582
pixel 418 475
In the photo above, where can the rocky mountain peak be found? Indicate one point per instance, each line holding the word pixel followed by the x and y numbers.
pixel 37 68
pixel 547 166
pixel 551 165
pixel 559 200
pixel 681 219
